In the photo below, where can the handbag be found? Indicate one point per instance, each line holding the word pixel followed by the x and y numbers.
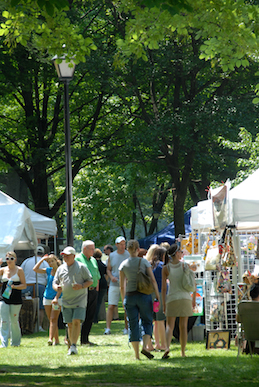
pixel 188 280
pixel 144 284
pixel 224 284
pixel 212 258
pixel 228 256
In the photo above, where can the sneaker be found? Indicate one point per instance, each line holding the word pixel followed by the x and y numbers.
pixel 72 350
pixel 41 329
pixel 107 331
pixel 125 331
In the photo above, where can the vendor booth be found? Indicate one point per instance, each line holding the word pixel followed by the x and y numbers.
pixel 44 226
pixel 227 225
pixel 20 230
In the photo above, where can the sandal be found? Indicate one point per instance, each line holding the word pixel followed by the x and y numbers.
pixel 147 354
pixel 166 355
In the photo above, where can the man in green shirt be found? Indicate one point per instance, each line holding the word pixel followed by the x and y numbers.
pixel 90 262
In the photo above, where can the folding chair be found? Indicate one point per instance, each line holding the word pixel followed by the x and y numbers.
pixel 248 312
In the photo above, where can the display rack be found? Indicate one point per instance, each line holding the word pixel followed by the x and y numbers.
pixel 220 309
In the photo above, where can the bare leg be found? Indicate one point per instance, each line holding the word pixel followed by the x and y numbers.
pixel 74 329
pixel 115 315
pixel 48 309
pixel 183 323
pixel 146 341
pixel 159 333
pixel 109 316
pixel 135 345
pixel 53 328
pixel 145 351
pixel 170 322
pixel 41 316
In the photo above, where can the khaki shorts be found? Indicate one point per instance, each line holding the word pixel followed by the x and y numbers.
pixel 113 295
pixel 70 314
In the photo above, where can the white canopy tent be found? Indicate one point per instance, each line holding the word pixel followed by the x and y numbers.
pixel 243 211
pixel 16 229
pixel 44 226
pixel 243 214
pixel 244 203
pixel 243 207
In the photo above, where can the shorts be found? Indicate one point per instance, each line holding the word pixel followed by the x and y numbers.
pixel 113 295
pixel 46 301
pixel 70 314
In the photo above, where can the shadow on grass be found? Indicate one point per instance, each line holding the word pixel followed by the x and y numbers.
pixel 212 369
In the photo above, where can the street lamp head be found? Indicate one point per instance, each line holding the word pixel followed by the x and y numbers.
pixel 65 70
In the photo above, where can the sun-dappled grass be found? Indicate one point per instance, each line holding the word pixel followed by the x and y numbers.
pixel 111 363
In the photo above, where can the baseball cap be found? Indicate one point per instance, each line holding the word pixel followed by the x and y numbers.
pixel 40 249
pixel 68 250
pixel 120 239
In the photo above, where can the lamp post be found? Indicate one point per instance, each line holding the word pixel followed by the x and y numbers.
pixel 65 71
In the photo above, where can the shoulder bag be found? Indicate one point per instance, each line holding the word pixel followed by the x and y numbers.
pixel 188 281
pixel 144 284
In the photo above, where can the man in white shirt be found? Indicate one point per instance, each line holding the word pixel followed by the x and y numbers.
pixel 30 278
pixel 113 264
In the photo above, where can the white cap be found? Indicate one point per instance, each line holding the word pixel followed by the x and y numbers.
pixel 40 249
pixel 120 239
pixel 68 250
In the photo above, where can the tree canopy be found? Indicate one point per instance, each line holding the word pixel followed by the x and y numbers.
pixel 149 128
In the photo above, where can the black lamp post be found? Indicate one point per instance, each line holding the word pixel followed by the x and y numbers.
pixel 65 72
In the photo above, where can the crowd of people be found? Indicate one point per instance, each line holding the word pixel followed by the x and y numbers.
pixel 77 287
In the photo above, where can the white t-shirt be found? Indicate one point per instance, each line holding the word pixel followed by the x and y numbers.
pixel 30 275
pixel 115 261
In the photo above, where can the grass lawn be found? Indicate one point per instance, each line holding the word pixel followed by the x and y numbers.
pixel 111 363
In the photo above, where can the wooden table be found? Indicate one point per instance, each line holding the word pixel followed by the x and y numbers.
pixel 28 315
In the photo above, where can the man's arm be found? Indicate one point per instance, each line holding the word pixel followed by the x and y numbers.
pixel 109 272
pixel 84 285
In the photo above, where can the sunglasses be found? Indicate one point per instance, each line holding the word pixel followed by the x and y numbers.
pixel 9 258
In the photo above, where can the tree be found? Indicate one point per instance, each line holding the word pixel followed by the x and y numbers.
pixel 113 198
pixel 248 153
pixel 229 30
pixel 177 94
pixel 157 113
pixel 46 26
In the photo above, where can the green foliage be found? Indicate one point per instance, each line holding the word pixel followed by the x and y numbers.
pixel 229 30
pixel 248 150
pixel 103 200
pixel 47 27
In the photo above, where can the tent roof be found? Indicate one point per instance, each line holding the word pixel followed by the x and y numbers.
pixel 243 207
pixel 244 203
pixel 16 229
pixel 248 189
pixel 43 225
pixel 167 234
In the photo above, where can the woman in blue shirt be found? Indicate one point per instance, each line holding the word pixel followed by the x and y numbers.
pixel 159 317
pixel 51 299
